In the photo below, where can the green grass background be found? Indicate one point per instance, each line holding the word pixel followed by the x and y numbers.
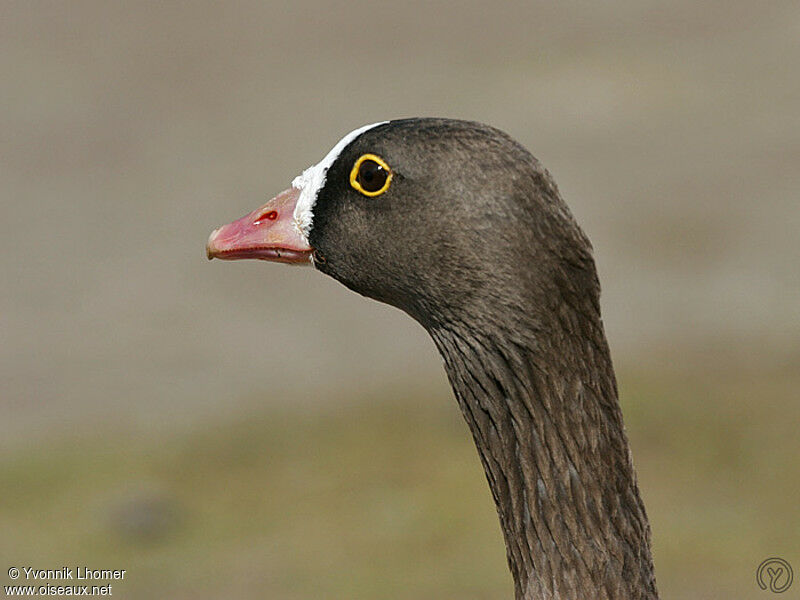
pixel 380 497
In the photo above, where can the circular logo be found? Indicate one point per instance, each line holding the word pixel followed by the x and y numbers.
pixel 775 575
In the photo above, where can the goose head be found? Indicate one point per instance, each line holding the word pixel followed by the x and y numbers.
pixel 441 218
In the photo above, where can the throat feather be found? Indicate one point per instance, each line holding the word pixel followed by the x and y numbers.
pixel 552 444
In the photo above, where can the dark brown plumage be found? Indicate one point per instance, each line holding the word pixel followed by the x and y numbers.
pixel 472 239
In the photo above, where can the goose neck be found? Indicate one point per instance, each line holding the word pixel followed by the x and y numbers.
pixel 545 418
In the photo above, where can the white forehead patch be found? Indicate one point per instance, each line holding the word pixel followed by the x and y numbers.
pixel 310 181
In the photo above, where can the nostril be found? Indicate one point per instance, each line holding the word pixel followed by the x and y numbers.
pixel 270 216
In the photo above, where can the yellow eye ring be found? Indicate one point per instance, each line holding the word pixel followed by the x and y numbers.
pixel 370 175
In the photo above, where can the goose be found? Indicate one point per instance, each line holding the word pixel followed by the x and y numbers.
pixel 458 225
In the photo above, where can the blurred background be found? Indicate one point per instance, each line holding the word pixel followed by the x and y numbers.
pixel 249 430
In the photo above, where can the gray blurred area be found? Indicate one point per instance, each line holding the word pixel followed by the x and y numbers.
pixel 130 130
pixel 255 430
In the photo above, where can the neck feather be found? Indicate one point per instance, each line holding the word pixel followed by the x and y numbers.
pixel 545 418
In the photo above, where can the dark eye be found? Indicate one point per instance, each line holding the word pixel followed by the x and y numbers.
pixel 371 175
